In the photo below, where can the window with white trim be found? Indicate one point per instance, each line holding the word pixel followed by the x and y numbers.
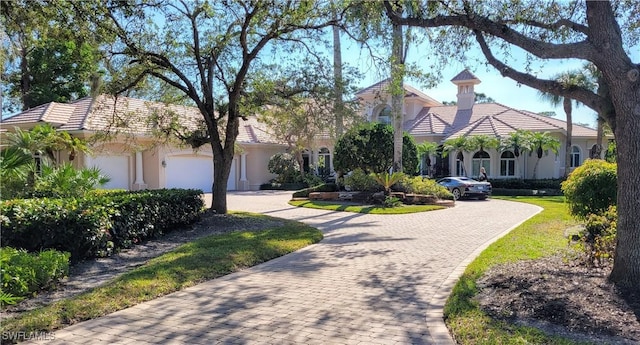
pixel 324 162
pixel 575 156
pixel 385 115
pixel 480 159
pixel 459 164
pixel 507 164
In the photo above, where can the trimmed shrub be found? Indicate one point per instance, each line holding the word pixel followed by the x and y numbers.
pixel 516 183
pixel 283 186
pixel 99 223
pixel 286 167
pixel 598 239
pixel 369 147
pixel 325 187
pixel 591 188
pixel 526 192
pixel 23 274
pixel 358 180
pixel 61 224
pixel 423 186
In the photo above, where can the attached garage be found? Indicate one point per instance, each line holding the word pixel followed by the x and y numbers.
pixel 114 167
pixel 193 171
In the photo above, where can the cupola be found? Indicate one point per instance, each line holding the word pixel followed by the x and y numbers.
pixel 465 81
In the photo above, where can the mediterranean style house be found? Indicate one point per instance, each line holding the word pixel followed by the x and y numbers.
pixel 133 159
pixel 427 120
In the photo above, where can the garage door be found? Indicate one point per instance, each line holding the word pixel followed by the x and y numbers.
pixel 114 167
pixel 188 171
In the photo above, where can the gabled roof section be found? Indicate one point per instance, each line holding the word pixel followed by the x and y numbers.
pixel 252 131
pixel 427 123
pixel 54 113
pixel 382 87
pixel 498 120
pixel 106 112
pixel 465 75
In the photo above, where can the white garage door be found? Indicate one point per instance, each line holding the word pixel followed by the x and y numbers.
pixel 190 171
pixel 114 167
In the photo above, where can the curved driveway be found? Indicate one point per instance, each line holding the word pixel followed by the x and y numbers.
pixel 373 280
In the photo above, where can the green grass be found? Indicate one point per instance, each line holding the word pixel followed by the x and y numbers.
pixel 540 236
pixel 336 206
pixel 192 263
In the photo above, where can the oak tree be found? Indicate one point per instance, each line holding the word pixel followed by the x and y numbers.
pixel 600 32
pixel 207 50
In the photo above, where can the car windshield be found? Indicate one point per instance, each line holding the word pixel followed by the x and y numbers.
pixel 464 179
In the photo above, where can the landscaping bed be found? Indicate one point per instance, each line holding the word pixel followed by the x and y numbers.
pixel 562 298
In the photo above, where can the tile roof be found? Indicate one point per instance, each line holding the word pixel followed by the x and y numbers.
pixel 485 118
pixel 464 75
pixel 410 91
pixel 106 112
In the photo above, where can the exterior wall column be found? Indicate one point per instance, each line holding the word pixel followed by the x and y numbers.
pixel 244 183
pixel 139 182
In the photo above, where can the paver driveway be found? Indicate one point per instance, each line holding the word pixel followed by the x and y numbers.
pixel 373 280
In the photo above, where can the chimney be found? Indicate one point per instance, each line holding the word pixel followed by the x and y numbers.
pixel 465 81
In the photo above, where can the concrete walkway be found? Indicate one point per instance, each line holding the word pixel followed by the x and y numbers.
pixel 373 280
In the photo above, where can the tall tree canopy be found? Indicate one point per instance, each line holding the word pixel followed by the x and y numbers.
pixel 207 50
pixel 600 32
pixel 50 55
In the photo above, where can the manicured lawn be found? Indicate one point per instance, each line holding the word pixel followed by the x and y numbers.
pixel 540 236
pixel 203 259
pixel 336 206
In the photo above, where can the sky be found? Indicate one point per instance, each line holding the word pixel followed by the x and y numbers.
pixel 502 90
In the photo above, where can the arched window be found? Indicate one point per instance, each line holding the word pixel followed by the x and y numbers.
pixel 306 160
pixel 384 116
pixel 425 164
pixel 480 159
pixel 324 162
pixel 507 164
pixel 459 164
pixel 575 156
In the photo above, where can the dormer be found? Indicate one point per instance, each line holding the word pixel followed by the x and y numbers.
pixel 466 81
pixel 376 101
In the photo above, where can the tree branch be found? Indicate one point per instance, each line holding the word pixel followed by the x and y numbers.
pixel 578 50
pixel 582 95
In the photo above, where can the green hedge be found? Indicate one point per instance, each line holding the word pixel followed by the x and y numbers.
pixel 526 192
pixel 513 183
pixel 283 186
pixel 325 187
pixel 97 224
pixel 23 274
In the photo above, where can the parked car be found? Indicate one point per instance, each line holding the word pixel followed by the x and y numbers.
pixel 464 187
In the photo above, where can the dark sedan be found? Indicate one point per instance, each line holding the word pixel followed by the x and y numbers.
pixel 464 187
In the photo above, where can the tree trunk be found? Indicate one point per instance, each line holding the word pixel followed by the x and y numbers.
pixel 300 159
pixel 626 267
pixel 338 107
pixel 566 102
pixel 222 160
pixel 597 154
pixel 397 95
pixel 25 81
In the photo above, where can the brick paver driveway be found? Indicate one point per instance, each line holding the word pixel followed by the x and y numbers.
pixel 373 280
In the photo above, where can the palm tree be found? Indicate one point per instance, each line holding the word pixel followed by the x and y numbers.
pixel 387 180
pixel 568 80
pixel 426 149
pixel 482 142
pixel 517 142
pixel 542 143
pixel 460 144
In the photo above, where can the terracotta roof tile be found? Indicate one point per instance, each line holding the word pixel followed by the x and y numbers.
pixel 410 91
pixel 464 75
